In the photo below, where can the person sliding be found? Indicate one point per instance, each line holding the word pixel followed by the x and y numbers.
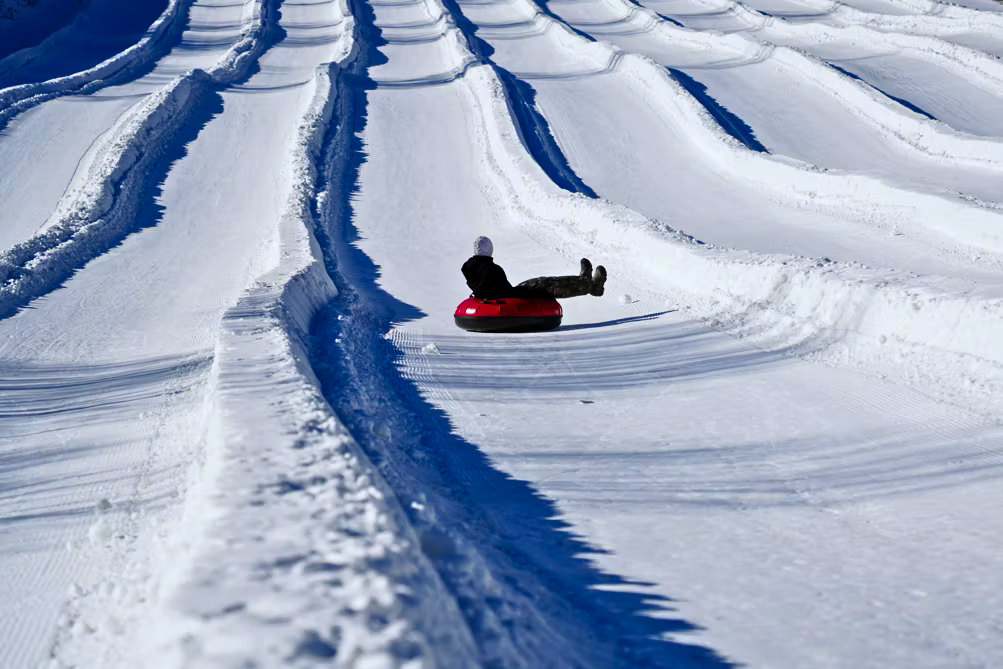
pixel 487 280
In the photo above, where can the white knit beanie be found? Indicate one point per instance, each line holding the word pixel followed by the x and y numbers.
pixel 483 247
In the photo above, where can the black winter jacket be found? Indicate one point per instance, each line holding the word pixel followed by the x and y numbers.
pixel 486 279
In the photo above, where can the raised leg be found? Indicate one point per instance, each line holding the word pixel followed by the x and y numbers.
pixel 561 287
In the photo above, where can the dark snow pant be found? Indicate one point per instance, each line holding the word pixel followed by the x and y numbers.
pixel 555 286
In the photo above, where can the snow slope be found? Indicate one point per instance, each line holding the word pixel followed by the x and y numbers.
pixel 239 427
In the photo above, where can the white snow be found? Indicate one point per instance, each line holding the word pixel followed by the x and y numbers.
pixel 239 427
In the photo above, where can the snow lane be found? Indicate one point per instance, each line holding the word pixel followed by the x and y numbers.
pixel 422 46
pixel 158 296
pixel 72 436
pixel 419 184
pixel 948 98
pixel 982 5
pixel 795 465
pixel 420 187
pixel 44 146
pixel 980 42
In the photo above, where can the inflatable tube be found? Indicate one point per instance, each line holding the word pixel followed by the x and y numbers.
pixel 508 314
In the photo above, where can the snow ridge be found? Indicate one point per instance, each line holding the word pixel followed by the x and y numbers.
pixel 16 99
pixel 934 18
pixel 340 562
pixel 100 205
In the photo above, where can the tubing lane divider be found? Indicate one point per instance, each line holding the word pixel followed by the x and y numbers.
pixel 99 207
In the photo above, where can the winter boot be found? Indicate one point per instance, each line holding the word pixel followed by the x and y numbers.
pixel 598 282
pixel 586 272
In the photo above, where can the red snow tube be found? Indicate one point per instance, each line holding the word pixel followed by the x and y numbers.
pixel 509 314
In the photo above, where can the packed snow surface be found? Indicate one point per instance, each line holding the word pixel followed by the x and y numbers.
pixel 239 427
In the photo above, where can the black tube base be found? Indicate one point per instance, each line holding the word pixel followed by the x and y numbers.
pixel 508 323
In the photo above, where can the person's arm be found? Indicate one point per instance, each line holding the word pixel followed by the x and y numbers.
pixel 471 276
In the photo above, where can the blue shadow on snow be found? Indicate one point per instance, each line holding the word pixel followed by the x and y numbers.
pixel 533 126
pixel 905 103
pixel 617 321
pixel 731 123
pixel 101 30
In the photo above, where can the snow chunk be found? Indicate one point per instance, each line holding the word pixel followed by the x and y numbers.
pixel 430 349
pixel 376 661
pixel 101 531
pixel 627 299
